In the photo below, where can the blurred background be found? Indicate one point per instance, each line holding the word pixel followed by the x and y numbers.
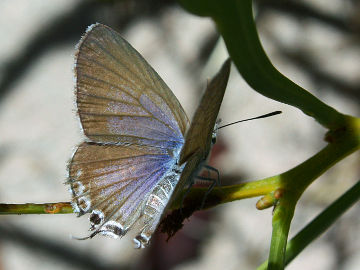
pixel 315 43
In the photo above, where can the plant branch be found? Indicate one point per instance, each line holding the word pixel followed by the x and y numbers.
pixel 34 208
pixel 282 217
pixel 234 20
pixel 320 224
pixel 295 180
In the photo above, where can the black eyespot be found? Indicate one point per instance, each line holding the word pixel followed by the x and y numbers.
pixel 95 219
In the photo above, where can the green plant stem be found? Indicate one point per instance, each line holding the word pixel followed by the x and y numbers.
pixel 225 194
pixel 292 184
pixel 300 177
pixel 235 22
pixel 282 217
pixel 320 224
pixel 34 208
pixel 295 180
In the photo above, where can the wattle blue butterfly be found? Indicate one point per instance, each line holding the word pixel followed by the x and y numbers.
pixel 137 156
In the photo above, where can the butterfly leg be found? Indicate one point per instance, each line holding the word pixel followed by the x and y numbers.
pixel 184 196
pixel 191 171
pixel 214 181
pixel 193 165
pixel 211 187
pixel 214 170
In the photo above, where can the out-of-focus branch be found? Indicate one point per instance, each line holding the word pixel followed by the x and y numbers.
pixel 303 10
pixel 53 249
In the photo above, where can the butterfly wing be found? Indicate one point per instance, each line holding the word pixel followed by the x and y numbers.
pixel 113 182
pixel 136 129
pixel 120 97
pixel 199 135
pixel 198 139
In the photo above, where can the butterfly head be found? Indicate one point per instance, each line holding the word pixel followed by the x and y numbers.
pixel 214 133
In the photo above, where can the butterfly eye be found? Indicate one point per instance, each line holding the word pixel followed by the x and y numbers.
pixel 213 137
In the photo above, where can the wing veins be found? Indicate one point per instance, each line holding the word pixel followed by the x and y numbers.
pixel 117 60
pixel 147 68
pixel 117 159
pixel 166 124
pixel 132 136
pixel 124 201
pixel 124 168
pixel 109 99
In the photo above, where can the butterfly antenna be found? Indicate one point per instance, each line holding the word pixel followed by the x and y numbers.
pixel 253 118
pixel 86 237
pixel 79 238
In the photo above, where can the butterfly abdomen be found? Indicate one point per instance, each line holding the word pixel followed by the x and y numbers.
pixel 156 205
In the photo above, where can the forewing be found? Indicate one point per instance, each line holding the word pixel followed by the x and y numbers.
pixel 120 97
pixel 198 137
pixel 113 182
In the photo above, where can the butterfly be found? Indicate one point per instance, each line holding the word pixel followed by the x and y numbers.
pixel 140 151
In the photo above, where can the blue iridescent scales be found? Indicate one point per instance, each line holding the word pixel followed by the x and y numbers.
pixel 137 156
